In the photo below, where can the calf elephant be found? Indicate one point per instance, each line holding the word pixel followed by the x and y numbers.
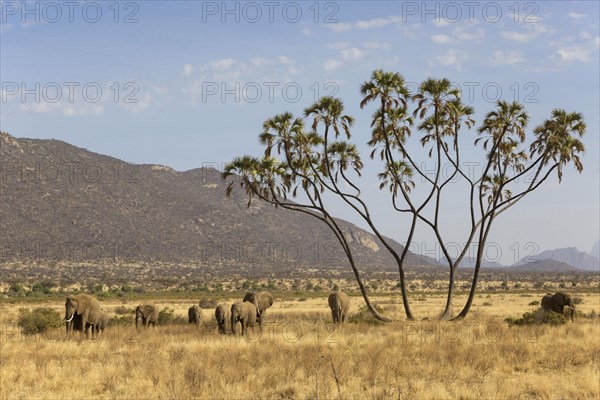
pixel 148 313
pixel 339 302
pixel 81 313
pixel 245 313
pixel 222 314
pixel 262 301
pixel 557 302
pixel 194 315
pixel 102 323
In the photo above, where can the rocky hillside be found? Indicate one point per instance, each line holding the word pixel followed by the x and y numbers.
pixel 58 202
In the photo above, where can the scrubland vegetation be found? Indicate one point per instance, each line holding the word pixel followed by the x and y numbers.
pixel 301 355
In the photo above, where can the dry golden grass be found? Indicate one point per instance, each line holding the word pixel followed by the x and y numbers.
pixel 301 355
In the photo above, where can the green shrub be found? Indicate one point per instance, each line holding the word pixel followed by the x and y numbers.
pixel 167 316
pixel 123 320
pixel 122 310
pixel 365 316
pixel 207 303
pixel 39 320
pixel 538 317
pixel 535 303
pixel 487 304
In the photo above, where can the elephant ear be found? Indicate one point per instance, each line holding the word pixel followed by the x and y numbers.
pixel 564 299
pixel 75 303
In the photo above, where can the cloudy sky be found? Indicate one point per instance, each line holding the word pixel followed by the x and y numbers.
pixel 189 83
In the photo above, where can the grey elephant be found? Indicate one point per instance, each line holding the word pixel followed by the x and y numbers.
pixel 339 302
pixel 245 313
pixel 557 302
pixel 148 313
pixel 102 323
pixel 194 315
pixel 262 301
pixel 82 312
pixel 222 314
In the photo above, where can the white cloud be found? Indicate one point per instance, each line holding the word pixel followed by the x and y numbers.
pixel 285 60
pixel 364 24
pixel 373 23
pixel 376 45
pixel 259 62
pixel 575 15
pixel 530 32
pixel 452 59
pixel 573 53
pixel 223 64
pixel 515 36
pixel 441 23
pixel 352 54
pixel 473 35
pixel 338 45
pixel 307 32
pixel 188 69
pixel 441 39
pixel 331 65
pixel 507 57
pixel 459 35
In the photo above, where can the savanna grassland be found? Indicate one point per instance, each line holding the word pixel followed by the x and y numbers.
pixel 301 355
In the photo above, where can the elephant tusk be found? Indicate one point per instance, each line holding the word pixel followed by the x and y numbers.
pixel 70 319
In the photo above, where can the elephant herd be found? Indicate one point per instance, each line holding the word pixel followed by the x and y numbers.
pixel 83 313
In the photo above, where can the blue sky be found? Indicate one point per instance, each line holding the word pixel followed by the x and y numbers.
pixel 189 83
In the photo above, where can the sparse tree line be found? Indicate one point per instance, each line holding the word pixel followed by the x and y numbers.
pixel 311 159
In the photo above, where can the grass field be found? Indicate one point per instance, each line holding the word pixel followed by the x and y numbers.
pixel 300 355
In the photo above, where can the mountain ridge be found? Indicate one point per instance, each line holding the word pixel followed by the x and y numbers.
pixel 59 200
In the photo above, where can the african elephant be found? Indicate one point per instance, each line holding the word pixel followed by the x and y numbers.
pixel 102 323
pixel 194 315
pixel 222 314
pixel 339 302
pixel 148 313
pixel 81 312
pixel 245 312
pixel 557 302
pixel 262 301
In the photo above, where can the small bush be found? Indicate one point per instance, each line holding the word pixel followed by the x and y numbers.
pixel 577 300
pixel 364 315
pixel 123 320
pixel 591 315
pixel 207 303
pixel 39 320
pixel 538 317
pixel 535 303
pixel 122 310
pixel 487 304
pixel 167 316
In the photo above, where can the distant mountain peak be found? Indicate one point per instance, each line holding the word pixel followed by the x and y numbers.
pixel 569 255
pixel 596 250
